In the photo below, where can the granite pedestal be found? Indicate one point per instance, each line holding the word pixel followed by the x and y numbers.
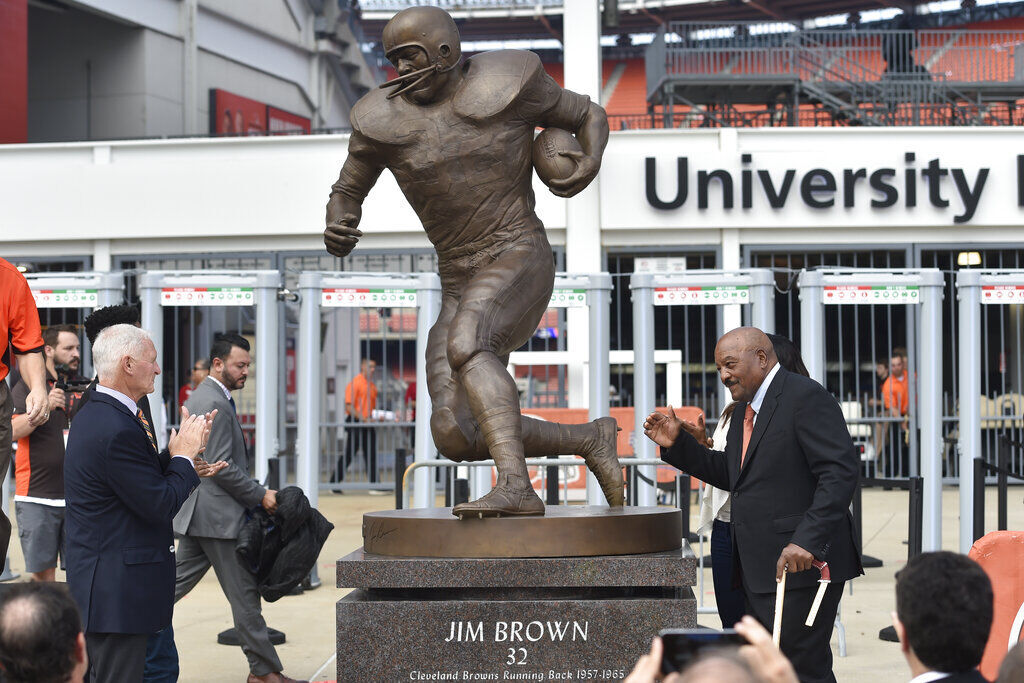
pixel 506 618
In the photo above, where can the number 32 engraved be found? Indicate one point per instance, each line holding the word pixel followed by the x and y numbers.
pixel 517 656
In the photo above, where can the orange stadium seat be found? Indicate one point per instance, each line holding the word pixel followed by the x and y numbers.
pixel 369 321
pixel 1001 555
pixel 630 94
pixel 404 321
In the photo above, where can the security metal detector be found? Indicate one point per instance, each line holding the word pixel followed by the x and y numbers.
pixel 159 288
pixel 976 288
pixel 750 286
pixel 918 287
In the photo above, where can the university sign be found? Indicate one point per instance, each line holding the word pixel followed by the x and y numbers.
pixel 918 182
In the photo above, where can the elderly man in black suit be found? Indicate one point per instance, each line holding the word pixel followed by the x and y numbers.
pixel 120 504
pixel 792 470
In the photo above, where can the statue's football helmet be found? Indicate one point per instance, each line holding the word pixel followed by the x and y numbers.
pixel 432 30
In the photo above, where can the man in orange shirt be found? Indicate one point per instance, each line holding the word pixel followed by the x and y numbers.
pixel 360 402
pixel 895 397
pixel 21 335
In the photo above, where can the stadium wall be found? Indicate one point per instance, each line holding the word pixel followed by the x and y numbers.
pixel 269 193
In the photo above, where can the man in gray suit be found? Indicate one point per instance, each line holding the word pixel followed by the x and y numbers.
pixel 211 518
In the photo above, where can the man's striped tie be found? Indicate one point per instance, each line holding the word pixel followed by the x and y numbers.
pixel 148 427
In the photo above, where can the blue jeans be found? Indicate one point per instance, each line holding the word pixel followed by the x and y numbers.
pixel 730 600
pixel 161 658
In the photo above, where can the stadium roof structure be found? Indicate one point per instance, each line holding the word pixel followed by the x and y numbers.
pixel 507 19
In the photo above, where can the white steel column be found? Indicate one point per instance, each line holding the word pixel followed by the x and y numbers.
pixel 930 407
pixel 598 302
pixel 153 322
pixel 762 300
pixel 267 353
pixel 428 301
pixel 812 324
pixel 731 315
pixel 581 42
pixel 642 285
pixel 308 382
pixel 968 293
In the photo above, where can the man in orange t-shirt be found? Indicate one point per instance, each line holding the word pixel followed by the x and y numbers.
pixel 895 398
pixel 360 402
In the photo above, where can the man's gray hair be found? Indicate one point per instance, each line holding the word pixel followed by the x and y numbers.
pixel 113 344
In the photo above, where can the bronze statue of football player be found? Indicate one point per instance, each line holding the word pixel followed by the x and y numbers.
pixel 457 136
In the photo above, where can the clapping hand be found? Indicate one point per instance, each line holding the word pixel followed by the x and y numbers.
pixel 203 468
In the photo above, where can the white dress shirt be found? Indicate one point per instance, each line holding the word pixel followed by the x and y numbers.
pixel 762 390
pixel 929 676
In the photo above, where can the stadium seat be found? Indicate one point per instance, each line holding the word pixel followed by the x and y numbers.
pixel 1001 555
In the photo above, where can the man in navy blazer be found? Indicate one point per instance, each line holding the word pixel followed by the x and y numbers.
pixel 120 504
pixel 792 471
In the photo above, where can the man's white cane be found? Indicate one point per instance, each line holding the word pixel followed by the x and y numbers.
pixel 780 595
pixel 823 582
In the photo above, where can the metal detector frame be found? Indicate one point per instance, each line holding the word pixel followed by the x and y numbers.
pixel 266 285
pixel 969 287
pixel 428 304
pixel 930 283
pixel 311 287
pixel 761 284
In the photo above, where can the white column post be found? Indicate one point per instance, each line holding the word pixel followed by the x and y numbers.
pixel 267 356
pixel 308 381
pixel 812 321
pixel 598 302
pixel 581 42
pixel 428 302
pixel 968 293
pixel 732 314
pixel 930 402
pixel 153 322
pixel 642 285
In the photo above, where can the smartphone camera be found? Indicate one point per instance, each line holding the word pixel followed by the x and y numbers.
pixel 682 645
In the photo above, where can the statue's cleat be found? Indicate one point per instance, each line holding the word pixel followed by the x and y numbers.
pixel 502 500
pixel 603 460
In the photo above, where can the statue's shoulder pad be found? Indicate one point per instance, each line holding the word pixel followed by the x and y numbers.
pixel 493 81
pixel 372 115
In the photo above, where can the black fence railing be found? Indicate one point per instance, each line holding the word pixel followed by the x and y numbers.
pixel 1003 475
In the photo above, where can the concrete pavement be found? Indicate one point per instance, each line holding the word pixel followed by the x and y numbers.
pixel 308 619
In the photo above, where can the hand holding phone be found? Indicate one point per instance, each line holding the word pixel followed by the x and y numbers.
pixel 682 645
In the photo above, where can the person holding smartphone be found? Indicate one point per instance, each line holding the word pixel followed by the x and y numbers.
pixel 746 654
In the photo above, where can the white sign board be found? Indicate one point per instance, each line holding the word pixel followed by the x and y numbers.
pixel 1002 294
pixel 65 298
pixel 701 296
pixel 207 296
pixel 871 294
pixel 568 298
pixel 342 297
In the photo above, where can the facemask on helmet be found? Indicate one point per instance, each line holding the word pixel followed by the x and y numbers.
pixel 430 29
